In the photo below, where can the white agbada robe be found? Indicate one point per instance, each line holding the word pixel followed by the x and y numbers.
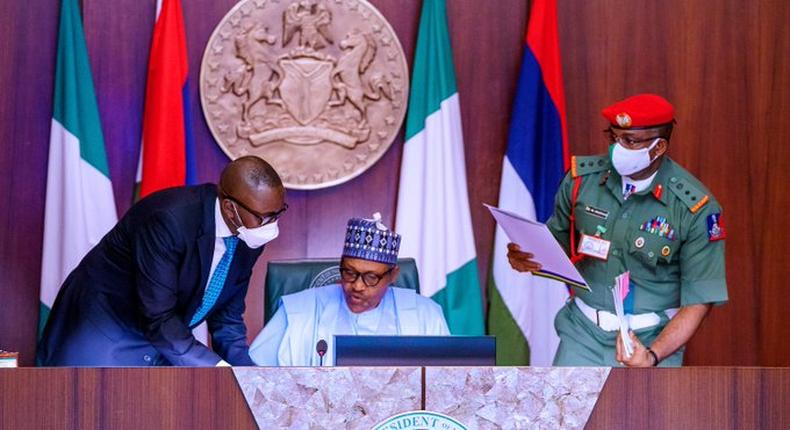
pixel 303 318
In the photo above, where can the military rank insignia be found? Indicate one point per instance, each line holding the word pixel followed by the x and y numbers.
pixel 716 227
pixel 660 227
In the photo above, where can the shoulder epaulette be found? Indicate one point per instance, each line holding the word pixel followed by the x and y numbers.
pixel 690 194
pixel 581 166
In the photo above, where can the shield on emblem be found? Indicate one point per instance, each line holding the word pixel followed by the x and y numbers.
pixel 306 87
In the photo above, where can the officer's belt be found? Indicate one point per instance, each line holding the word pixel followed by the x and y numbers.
pixel 608 321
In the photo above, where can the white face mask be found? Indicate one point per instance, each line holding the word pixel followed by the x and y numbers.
pixel 258 236
pixel 630 161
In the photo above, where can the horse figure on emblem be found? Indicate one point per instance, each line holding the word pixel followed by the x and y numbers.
pixel 360 50
pixel 259 76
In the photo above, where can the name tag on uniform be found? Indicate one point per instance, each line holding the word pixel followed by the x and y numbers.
pixel 600 213
pixel 594 247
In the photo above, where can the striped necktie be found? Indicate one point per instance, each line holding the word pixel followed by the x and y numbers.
pixel 217 281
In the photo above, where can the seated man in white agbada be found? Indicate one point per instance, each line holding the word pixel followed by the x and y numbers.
pixel 363 303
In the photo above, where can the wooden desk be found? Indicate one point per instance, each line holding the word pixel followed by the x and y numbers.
pixel 694 398
pixel 209 398
pixel 122 398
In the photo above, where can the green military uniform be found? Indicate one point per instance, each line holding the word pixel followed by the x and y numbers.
pixel 667 236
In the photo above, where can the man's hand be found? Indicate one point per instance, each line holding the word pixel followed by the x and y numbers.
pixel 640 357
pixel 519 260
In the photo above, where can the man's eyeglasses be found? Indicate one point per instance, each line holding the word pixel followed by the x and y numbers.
pixel 370 279
pixel 627 141
pixel 262 219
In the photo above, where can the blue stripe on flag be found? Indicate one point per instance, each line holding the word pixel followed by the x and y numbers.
pixel 191 176
pixel 535 140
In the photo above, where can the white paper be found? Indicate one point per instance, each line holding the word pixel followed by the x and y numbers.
pixel 535 238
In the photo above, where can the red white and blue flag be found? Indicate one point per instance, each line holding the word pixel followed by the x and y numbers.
pixel 167 152
pixel 522 307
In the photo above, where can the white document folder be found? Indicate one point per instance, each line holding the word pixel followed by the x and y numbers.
pixel 535 237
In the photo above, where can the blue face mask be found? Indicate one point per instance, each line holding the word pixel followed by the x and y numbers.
pixel 630 161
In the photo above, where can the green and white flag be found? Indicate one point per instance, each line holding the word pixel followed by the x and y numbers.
pixel 433 206
pixel 80 207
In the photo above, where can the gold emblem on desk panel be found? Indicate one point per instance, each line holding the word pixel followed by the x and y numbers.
pixel 318 88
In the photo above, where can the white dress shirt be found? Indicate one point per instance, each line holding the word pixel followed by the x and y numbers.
pixel 221 231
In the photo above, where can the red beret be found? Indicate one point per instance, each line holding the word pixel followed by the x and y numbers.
pixel 640 111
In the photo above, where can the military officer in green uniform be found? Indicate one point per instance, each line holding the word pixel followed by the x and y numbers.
pixel 636 210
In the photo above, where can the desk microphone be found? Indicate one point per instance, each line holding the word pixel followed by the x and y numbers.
pixel 321 348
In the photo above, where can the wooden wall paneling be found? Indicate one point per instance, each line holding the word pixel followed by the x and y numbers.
pixel 768 133
pixel 708 75
pixel 118 34
pixel 28 34
pixel 488 45
pixel 768 82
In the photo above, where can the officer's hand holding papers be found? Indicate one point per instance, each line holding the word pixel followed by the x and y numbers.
pixel 619 292
pixel 547 258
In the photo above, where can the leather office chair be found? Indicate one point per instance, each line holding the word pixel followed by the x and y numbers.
pixel 291 276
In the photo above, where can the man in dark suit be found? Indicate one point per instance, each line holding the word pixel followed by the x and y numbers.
pixel 177 258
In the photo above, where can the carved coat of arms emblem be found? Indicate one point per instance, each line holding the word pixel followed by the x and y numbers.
pixel 318 88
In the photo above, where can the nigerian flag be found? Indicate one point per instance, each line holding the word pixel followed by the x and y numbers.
pixel 80 207
pixel 433 206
